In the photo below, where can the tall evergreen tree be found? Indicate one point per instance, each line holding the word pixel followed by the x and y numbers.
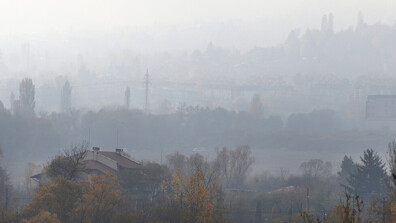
pixel 369 181
pixel 26 97
pixel 4 184
pixel 348 168
pixel 66 97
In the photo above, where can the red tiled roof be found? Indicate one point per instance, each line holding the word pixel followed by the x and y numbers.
pixel 122 160
pixel 95 165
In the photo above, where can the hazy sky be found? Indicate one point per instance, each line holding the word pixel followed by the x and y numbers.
pixel 162 25
pixel 35 16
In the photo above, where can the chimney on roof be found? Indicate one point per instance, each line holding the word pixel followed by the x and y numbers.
pixel 96 149
pixel 119 151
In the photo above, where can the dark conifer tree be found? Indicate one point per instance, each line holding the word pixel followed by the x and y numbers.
pixel 369 181
pixel 348 168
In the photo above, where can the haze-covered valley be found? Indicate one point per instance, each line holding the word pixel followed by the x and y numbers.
pixel 295 93
pixel 304 84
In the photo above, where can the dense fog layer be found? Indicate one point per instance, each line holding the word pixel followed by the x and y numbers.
pixel 197 111
pixel 304 98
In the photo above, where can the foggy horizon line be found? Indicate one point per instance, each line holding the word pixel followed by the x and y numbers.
pixel 157 31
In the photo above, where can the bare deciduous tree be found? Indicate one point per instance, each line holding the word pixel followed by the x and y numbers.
pixel 230 168
pixel 223 163
pixel 66 97
pixel 256 105
pixel 241 161
pixel 69 164
pixel 392 157
pixel 197 163
pixel 315 168
pixel 26 97
pixel 234 165
pixel 176 162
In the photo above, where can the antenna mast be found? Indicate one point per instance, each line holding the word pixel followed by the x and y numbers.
pixel 117 139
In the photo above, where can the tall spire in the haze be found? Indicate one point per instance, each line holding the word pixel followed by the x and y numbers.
pixel 360 20
pixel 147 105
pixel 330 24
pixel 324 23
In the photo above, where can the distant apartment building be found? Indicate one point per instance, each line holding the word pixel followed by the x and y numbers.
pixel 381 107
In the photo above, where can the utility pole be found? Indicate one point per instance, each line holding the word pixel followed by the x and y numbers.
pixel 308 199
pixel 181 207
pixel 161 157
pixel 6 197
pixel 147 105
pixel 89 136
pixel 181 199
pixel 383 209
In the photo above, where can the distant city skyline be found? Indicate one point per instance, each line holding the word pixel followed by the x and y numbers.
pixel 45 20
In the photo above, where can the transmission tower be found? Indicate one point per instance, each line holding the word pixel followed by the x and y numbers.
pixel 147 105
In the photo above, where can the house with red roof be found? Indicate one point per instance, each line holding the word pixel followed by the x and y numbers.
pixel 104 162
pixel 101 162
